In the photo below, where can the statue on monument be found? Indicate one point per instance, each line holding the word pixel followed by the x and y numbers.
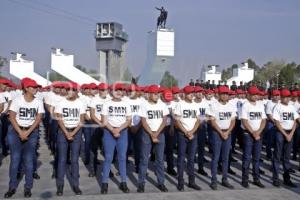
pixel 162 19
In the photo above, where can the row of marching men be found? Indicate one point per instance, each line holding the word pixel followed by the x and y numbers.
pixel 151 120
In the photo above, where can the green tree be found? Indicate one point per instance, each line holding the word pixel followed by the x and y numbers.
pixel 81 68
pixel 93 73
pixel 252 64
pixel 54 76
pixel 127 75
pixel 289 74
pixel 3 61
pixel 227 73
pixel 269 71
pixel 168 80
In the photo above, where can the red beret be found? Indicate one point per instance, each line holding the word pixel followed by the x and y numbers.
pixel 198 89
pixel 92 86
pixel 72 85
pixel 117 86
pixel 239 91
pixel 175 90
pixel 153 89
pixel 253 90
pixel 276 93
pixel 295 93
pixel 285 93
pixel 223 89
pixel 4 81
pixel 103 86
pixel 209 91
pixel 232 92
pixel 188 89
pixel 27 82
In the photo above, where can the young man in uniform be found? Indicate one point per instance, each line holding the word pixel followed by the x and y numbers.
pixel 203 107
pixel 25 114
pixel 285 116
pixel 134 132
pixel 187 120
pixel 271 128
pixel 222 118
pixel 70 113
pixel 96 112
pixel 4 114
pixel 116 116
pixel 153 116
pixel 167 98
pixel 253 119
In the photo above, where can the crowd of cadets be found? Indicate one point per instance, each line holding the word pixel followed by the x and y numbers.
pixel 147 122
pixel 234 86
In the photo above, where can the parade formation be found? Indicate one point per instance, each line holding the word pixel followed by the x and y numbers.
pixel 110 122
pixel 147 121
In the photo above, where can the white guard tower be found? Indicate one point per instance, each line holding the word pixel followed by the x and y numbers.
pixel 22 68
pixel 212 74
pixel 160 51
pixel 111 42
pixel 242 73
pixel 64 65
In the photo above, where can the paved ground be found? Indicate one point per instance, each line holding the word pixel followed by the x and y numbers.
pixel 45 187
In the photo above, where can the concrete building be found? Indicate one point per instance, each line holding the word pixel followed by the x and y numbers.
pixel 242 73
pixel 22 68
pixel 111 42
pixel 211 74
pixel 64 65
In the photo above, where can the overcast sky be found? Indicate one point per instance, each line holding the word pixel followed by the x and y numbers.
pixel 221 32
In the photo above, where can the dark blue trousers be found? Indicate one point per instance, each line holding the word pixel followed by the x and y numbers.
pixel 110 144
pixel 159 157
pixel 219 147
pixel 252 149
pixel 186 148
pixel 201 137
pixel 169 147
pixel 270 139
pixel 21 152
pixel 88 133
pixel 282 148
pixel 62 150
pixel 4 130
pixel 135 140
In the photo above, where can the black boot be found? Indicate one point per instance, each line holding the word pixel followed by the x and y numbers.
pixel 60 190
pixel 202 172
pixel 194 186
pixel 9 193
pixel 104 188
pixel 141 188
pixel 36 176
pixel 287 180
pixel 77 190
pixel 245 183
pixel 124 188
pixel 180 187
pixel 258 183
pixel 171 172
pixel 27 193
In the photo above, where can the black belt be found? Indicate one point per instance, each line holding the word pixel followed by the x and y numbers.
pixel 70 129
pixel 24 128
pixel 224 129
